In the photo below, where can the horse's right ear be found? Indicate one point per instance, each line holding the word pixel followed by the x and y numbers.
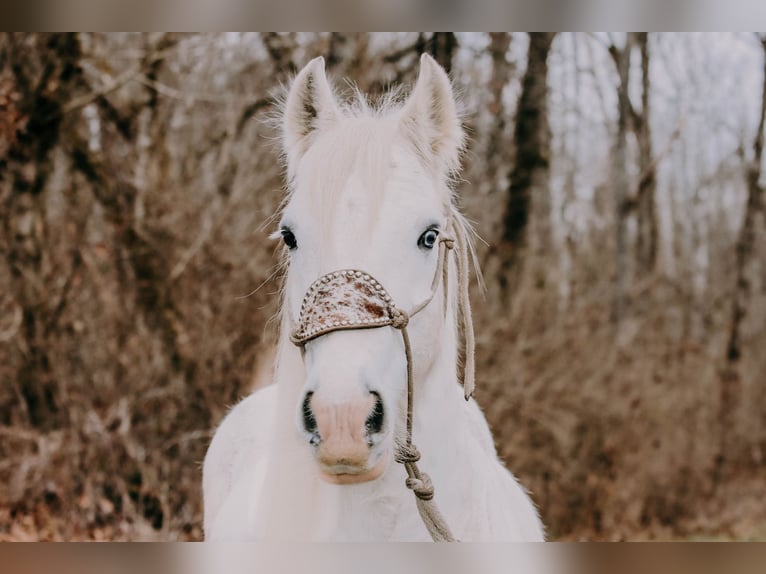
pixel 310 106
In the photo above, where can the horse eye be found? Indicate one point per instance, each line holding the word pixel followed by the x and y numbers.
pixel 428 239
pixel 289 238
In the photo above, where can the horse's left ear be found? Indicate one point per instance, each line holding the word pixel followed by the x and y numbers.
pixel 430 116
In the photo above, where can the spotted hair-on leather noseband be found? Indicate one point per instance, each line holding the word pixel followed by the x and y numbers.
pixel 347 299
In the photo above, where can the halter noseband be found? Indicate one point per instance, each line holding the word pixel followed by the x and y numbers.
pixel 351 299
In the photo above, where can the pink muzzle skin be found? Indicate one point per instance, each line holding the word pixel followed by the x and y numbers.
pixel 344 454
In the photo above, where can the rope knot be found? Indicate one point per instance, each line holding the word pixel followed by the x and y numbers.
pixel 407 454
pixel 449 243
pixel 295 339
pixel 399 318
pixel 422 487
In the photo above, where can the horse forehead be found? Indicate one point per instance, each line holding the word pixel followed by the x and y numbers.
pixel 362 190
pixel 381 199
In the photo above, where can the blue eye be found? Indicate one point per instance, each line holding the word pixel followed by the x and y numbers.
pixel 428 239
pixel 289 238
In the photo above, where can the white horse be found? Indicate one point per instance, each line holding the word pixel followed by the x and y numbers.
pixel 314 456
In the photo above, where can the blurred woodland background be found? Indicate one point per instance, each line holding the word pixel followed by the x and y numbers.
pixel 616 182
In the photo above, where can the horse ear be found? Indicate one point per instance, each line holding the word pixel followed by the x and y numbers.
pixel 430 116
pixel 310 106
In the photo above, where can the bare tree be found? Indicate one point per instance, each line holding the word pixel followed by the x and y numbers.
pixel 622 195
pixel 747 234
pixel 531 167
pixel 501 73
pixel 646 208
pixel 642 201
pixel 442 46
pixel 46 73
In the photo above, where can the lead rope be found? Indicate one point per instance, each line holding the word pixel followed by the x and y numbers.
pixel 464 309
pixel 407 453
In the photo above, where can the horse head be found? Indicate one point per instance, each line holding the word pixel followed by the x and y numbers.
pixel 368 211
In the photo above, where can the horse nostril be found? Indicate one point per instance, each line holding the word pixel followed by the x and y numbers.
pixel 309 421
pixel 374 422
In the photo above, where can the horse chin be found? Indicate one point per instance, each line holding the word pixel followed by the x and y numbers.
pixel 343 474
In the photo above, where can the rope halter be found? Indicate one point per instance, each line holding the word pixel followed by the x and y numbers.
pixel 352 299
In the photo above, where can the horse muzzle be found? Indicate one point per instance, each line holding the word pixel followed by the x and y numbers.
pixel 345 474
pixel 345 436
pixel 351 299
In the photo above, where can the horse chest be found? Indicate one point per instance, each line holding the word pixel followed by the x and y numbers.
pixel 384 511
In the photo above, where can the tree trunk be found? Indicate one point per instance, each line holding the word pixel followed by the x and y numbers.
pixel 501 72
pixel 442 47
pixel 747 234
pixel 620 176
pixel 646 242
pixel 730 390
pixel 280 48
pixel 46 72
pixel 530 173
